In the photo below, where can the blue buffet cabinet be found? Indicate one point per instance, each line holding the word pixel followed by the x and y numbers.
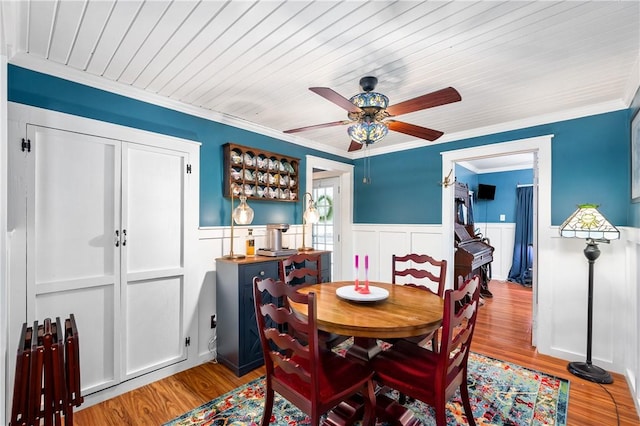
pixel 238 343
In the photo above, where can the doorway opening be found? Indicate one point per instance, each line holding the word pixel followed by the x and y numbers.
pixel 540 147
pixel 326 232
pixel 342 216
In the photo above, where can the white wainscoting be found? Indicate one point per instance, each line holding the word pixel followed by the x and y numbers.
pixel 631 320
pixel 380 242
pixel 502 238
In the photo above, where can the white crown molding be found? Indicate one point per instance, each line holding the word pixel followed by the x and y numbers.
pixel 67 73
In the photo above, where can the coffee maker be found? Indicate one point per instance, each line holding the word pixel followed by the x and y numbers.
pixel 274 241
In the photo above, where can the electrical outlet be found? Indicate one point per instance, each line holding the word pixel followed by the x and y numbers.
pixel 213 321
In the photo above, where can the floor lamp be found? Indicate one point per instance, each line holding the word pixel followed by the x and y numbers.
pixel 587 222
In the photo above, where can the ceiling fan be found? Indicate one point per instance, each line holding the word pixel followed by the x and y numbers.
pixel 368 113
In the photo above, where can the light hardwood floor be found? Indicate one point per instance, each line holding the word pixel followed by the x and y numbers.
pixel 503 331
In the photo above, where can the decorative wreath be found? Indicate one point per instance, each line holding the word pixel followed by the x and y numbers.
pixel 325 208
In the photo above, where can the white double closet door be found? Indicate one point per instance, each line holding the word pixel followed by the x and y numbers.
pixel 105 226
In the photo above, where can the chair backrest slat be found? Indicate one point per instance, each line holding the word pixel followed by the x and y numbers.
pixel 301 269
pixel 420 270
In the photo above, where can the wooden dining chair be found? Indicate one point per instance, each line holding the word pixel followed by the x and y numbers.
pixel 301 268
pixel 313 380
pixel 433 377
pixel 306 269
pixel 424 272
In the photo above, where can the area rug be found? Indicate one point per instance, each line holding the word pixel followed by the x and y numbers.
pixel 501 393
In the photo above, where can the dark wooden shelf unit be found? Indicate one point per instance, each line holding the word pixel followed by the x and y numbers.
pixel 260 175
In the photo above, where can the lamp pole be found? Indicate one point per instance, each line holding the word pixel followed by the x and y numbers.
pixel 587 370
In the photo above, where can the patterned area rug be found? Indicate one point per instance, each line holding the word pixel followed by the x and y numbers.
pixel 501 393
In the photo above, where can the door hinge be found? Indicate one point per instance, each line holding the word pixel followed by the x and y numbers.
pixel 188 168
pixel 26 145
pixel 187 341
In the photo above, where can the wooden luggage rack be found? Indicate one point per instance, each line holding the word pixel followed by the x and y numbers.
pixel 47 379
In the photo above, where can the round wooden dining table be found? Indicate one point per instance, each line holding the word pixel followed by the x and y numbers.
pixel 406 312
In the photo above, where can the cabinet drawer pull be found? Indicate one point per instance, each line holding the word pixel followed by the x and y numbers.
pixel 262 273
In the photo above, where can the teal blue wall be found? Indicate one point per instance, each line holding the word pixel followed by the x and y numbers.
pixel 44 91
pixel 505 196
pixel 465 175
pixel 505 199
pixel 590 164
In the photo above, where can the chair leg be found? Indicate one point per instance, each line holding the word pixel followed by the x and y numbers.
pixel 369 405
pixel 268 406
pixel 434 343
pixel 440 406
pixel 464 395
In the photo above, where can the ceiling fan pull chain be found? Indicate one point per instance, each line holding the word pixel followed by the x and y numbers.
pixel 367 166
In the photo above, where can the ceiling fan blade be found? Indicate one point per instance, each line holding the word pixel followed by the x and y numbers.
pixel 336 98
pixel 430 100
pixel 413 130
pixel 318 126
pixel 354 146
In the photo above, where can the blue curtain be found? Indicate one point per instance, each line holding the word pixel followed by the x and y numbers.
pixel 522 250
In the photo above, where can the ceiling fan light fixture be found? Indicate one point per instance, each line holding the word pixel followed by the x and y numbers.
pixel 370 100
pixel 368 132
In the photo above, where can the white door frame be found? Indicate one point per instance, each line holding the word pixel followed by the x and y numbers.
pixel 345 247
pixel 541 147
pixel 4 278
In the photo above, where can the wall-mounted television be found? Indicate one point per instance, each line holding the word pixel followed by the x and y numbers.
pixel 486 192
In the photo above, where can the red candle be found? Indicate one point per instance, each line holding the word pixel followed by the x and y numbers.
pixel 365 289
pixel 357 287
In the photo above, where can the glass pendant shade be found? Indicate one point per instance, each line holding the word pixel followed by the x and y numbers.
pixel 311 215
pixel 243 214
pixel 588 222
pixel 368 133
pixel 370 100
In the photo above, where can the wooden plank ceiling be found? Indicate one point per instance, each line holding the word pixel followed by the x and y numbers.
pixel 513 63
